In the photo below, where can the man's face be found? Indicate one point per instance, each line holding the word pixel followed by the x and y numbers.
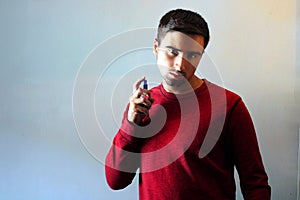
pixel 178 56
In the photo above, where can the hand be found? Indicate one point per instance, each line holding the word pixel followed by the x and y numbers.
pixel 139 103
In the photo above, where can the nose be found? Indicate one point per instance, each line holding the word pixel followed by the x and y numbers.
pixel 179 63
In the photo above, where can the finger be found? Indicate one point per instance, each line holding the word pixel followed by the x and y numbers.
pixel 140 101
pixel 137 84
pixel 144 95
pixel 140 92
pixel 147 103
pixel 141 109
pixel 147 98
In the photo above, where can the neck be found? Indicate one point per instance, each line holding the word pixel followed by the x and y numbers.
pixel 184 88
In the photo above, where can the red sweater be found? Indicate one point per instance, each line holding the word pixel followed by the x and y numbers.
pixel 188 151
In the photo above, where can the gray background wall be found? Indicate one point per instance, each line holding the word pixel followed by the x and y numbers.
pixel 44 43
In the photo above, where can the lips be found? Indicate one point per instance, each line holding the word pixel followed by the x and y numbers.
pixel 177 74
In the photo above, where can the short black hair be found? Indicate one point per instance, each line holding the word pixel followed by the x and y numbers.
pixel 185 21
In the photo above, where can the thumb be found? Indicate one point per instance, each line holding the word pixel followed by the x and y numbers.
pixel 137 84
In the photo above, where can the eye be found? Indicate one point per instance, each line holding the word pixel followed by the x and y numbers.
pixel 172 52
pixel 193 55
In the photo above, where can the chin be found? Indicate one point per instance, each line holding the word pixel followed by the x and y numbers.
pixel 175 83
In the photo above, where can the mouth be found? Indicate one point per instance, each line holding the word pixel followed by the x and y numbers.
pixel 177 75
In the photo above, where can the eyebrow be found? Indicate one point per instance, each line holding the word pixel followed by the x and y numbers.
pixel 193 52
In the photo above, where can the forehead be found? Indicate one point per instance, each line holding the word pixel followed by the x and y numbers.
pixel 183 41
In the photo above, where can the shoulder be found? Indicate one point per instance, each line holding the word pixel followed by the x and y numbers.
pixel 221 94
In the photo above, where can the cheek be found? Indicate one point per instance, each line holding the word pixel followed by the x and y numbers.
pixel 192 66
pixel 164 61
pixel 163 69
pixel 192 69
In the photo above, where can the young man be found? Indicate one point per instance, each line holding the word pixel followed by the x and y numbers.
pixel 187 134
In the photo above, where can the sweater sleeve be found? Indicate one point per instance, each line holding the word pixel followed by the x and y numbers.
pixel 253 178
pixel 123 158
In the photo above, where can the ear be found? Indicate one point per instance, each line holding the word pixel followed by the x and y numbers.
pixel 155 46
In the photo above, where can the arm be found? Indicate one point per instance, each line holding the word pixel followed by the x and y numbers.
pixel 123 158
pixel 247 158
